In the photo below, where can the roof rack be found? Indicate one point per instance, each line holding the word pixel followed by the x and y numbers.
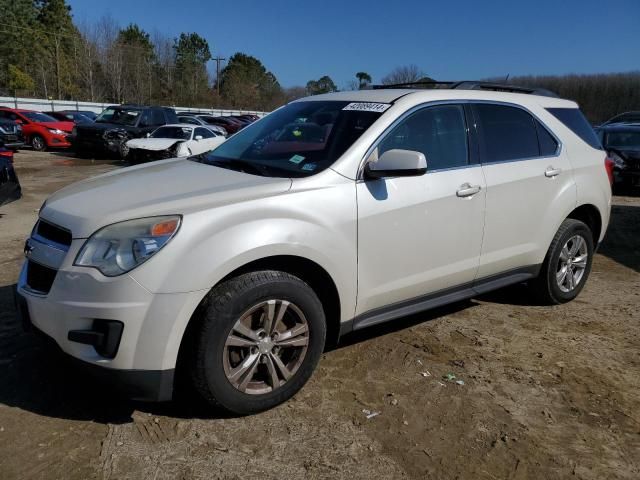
pixel 474 85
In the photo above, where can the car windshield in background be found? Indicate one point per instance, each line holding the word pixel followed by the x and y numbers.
pixel 297 140
pixel 39 117
pixel 179 133
pixel 120 116
pixel 624 140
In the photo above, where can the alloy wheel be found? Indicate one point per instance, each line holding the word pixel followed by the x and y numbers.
pixel 266 347
pixel 572 263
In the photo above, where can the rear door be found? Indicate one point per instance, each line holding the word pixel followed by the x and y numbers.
pixel 421 235
pixel 529 187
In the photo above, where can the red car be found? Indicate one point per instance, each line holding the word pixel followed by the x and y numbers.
pixel 40 130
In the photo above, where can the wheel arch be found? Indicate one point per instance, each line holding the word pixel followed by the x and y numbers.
pixel 590 215
pixel 307 270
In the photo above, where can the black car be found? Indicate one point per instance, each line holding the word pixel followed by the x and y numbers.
pixel 622 142
pixel 11 134
pixel 70 116
pixel 116 125
pixel 9 185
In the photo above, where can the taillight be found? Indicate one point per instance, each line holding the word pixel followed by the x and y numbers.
pixel 608 165
pixel 7 154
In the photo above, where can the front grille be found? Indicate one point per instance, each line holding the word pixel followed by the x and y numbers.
pixel 39 277
pixel 54 233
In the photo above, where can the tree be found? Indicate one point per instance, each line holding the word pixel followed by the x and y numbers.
pixel 322 85
pixel 191 56
pixel 56 37
pixel 138 61
pixel 246 83
pixel 405 74
pixel 364 79
pixel 19 80
pixel 18 43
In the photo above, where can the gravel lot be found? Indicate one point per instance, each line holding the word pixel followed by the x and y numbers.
pixel 548 392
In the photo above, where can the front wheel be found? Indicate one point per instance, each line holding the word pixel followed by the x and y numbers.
pixel 38 143
pixel 567 265
pixel 261 336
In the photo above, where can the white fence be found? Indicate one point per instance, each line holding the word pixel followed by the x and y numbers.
pixel 44 105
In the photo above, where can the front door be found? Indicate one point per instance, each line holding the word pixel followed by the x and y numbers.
pixel 421 235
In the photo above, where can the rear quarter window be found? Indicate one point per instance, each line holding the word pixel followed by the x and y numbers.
pixel 574 120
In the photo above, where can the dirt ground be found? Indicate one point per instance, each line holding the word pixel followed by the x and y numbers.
pixel 548 392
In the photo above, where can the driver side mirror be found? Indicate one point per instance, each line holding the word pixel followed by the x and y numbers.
pixel 18 121
pixel 148 135
pixel 198 137
pixel 397 163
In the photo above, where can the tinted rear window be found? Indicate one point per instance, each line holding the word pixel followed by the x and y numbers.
pixel 507 133
pixel 575 121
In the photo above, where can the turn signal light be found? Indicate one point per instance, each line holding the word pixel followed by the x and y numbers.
pixel 164 228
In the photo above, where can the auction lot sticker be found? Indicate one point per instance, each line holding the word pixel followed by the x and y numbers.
pixel 367 107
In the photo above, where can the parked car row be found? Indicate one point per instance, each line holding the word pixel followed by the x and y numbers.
pixel 620 136
pixel 111 132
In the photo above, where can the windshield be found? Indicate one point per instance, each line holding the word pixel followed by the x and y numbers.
pixel 38 117
pixel 120 116
pixel 624 140
pixel 179 133
pixel 297 140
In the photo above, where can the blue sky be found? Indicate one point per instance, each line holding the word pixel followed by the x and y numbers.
pixel 449 40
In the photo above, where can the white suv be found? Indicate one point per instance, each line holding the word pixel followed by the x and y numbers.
pixel 335 212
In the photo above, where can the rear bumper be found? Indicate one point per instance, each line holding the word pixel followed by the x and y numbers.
pixel 142 385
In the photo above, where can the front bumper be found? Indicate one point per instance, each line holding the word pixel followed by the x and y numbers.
pixel 58 140
pixel 142 385
pixel 146 355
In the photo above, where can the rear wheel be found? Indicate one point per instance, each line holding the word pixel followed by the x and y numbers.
pixel 567 265
pixel 38 143
pixel 260 339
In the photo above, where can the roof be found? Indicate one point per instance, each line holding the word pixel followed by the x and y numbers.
pixel 441 94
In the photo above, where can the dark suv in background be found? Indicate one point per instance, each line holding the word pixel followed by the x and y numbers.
pixel 11 134
pixel 116 125
pixel 620 137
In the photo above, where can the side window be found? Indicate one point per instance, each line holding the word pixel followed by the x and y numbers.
pixel 157 117
pixel 575 121
pixel 203 132
pixel 548 144
pixel 145 120
pixel 438 132
pixel 506 133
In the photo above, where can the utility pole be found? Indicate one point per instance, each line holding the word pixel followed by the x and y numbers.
pixel 218 60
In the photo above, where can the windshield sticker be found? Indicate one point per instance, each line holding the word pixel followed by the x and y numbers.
pixel 309 167
pixel 368 107
pixel 297 159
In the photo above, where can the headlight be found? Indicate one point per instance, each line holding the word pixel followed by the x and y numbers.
pixel 3 130
pixel 121 247
pixel 56 131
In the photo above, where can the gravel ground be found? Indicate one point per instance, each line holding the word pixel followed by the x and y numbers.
pixel 549 392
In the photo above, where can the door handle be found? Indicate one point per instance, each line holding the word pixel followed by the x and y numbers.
pixel 467 190
pixel 551 172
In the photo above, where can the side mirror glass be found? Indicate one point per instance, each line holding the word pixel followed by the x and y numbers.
pixel 397 163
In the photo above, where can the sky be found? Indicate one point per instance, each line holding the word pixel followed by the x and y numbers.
pixel 300 40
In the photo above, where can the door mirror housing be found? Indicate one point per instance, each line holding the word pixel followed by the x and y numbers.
pixel 397 163
pixel 19 121
pixel 148 135
pixel 198 137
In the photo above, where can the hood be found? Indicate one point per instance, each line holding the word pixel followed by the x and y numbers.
pixel 161 188
pixel 154 144
pixel 64 126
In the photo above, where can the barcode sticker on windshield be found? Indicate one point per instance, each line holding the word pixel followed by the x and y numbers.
pixel 367 107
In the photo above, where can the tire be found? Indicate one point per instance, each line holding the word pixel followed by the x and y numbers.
pixel 551 287
pixel 38 143
pixel 216 359
pixel 123 150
